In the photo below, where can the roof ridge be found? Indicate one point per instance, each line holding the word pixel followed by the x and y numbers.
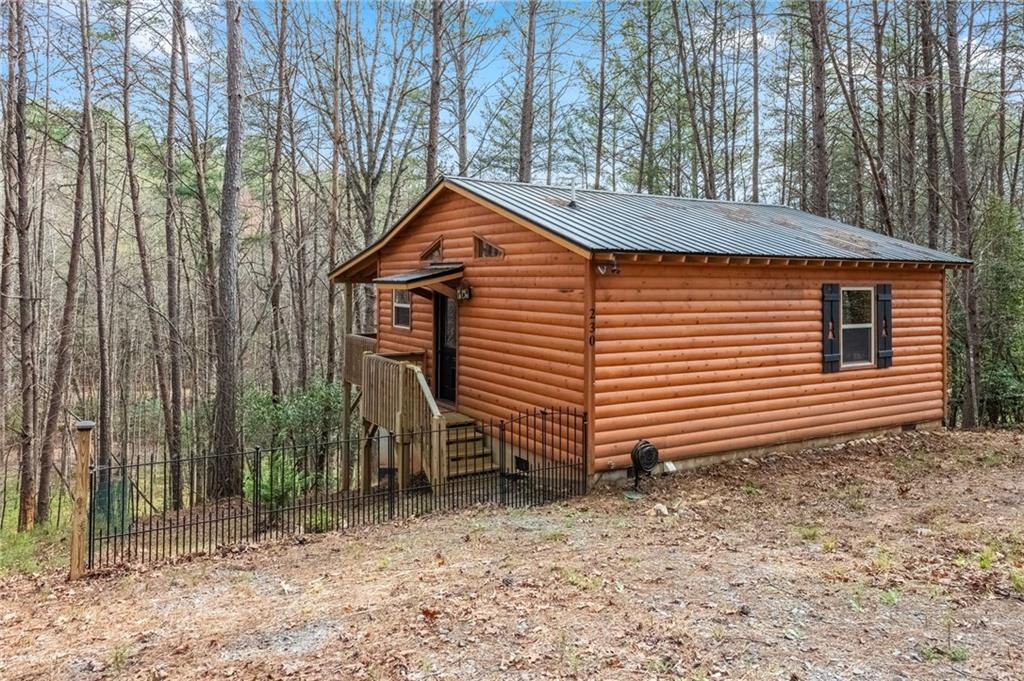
pixel 617 192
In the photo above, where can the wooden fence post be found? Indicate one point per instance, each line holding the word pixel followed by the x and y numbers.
pixel 80 513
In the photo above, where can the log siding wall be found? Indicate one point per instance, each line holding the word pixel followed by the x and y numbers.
pixel 521 335
pixel 700 359
pixel 704 359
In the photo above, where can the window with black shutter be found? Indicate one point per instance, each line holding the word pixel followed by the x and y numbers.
pixel 830 356
pixel 883 327
pixel 856 326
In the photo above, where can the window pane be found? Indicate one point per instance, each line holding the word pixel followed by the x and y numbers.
pixel 856 307
pixel 450 322
pixel 856 345
pixel 402 316
pixel 401 310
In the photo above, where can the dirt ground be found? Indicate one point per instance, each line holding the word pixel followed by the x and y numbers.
pixel 894 558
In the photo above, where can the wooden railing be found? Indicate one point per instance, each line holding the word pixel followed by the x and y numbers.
pixel 355 347
pixel 396 397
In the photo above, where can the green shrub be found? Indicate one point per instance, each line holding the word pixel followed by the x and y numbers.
pixel 297 418
pixel 322 520
pixel 282 480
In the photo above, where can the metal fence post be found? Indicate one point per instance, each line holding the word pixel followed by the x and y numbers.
pixel 80 516
pixel 585 459
pixel 393 477
pixel 503 468
pixel 257 492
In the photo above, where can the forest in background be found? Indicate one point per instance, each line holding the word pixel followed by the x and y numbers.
pixel 179 178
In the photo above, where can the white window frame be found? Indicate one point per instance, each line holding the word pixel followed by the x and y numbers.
pixel 395 305
pixel 870 361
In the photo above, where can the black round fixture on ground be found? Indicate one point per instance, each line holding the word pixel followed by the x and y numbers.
pixel 645 458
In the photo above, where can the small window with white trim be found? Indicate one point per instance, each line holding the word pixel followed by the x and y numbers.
pixel 857 326
pixel 401 309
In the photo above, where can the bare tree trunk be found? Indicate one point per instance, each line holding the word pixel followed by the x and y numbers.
pixel 755 162
pixel 909 148
pixel 878 178
pixel 646 125
pixel 819 157
pixel 1018 154
pixel 1000 173
pixel 879 19
pixel 62 350
pixel 105 420
pixel 277 324
pixel 962 212
pixel 858 163
pixel 601 85
pixel 785 195
pixel 337 141
pixel 174 321
pixel 19 164
pixel 199 161
pixel 461 83
pixel 434 123
pixel 300 289
pixel 549 143
pixel 226 479
pixel 152 308
pixel 526 117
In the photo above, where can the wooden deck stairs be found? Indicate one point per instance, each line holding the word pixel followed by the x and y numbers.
pixel 465 447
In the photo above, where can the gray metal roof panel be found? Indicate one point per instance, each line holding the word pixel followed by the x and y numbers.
pixel 425 274
pixel 647 223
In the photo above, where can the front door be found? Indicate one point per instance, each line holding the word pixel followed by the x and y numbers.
pixel 446 328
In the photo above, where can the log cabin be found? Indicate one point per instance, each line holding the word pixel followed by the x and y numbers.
pixel 709 328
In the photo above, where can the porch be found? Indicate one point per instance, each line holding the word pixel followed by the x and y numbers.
pixel 430 437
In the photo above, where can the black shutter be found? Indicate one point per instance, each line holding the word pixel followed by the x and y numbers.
pixel 830 357
pixel 883 325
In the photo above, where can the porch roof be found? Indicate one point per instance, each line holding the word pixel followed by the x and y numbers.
pixel 413 279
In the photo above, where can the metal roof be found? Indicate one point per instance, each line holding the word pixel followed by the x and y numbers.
pixel 605 221
pixel 429 275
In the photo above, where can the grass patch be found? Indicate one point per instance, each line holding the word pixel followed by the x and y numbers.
pixel 890 596
pixel 752 489
pixel 882 561
pixel 937 653
pixel 808 532
pixel 569 654
pixel 555 536
pixel 1017 581
pixel 987 557
pixel 578 579
pixel 40 550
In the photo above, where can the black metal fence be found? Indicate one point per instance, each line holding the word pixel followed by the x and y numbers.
pixel 147 511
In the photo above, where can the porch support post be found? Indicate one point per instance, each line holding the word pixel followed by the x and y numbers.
pixel 401 462
pixel 346 397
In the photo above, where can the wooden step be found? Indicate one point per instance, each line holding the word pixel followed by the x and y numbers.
pixel 453 419
pixel 463 469
pixel 472 450
pixel 463 434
